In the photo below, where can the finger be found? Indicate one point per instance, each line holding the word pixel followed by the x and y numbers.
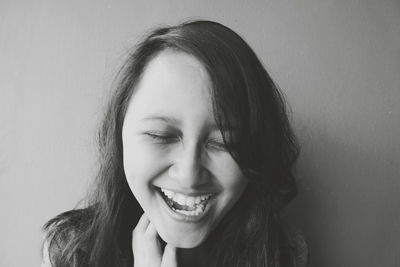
pixel 145 246
pixel 142 224
pixel 169 258
pixel 151 237
pixel 151 231
pixel 139 231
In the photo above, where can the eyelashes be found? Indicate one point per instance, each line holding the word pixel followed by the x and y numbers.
pixel 162 137
pixel 165 138
pixel 217 145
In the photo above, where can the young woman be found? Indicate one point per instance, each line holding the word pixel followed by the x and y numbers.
pixel 196 155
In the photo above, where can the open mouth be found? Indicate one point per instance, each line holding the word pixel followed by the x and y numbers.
pixel 192 206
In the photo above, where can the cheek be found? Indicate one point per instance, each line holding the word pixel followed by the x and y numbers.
pixel 141 164
pixel 230 178
pixel 228 173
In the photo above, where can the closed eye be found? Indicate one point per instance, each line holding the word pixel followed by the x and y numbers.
pixel 162 137
pixel 217 145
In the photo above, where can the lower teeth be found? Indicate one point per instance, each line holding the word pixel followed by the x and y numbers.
pixel 198 209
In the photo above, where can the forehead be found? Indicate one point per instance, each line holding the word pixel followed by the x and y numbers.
pixel 175 68
pixel 173 84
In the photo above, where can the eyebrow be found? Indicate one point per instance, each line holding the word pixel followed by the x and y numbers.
pixel 162 118
pixel 175 121
pixel 225 128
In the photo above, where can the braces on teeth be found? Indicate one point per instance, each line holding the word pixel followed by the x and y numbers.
pixel 186 205
pixel 198 211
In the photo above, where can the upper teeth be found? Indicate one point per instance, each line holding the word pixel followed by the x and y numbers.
pixel 184 199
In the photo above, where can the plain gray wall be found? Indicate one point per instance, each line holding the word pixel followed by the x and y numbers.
pixel 338 62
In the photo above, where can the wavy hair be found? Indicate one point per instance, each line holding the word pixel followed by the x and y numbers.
pixel 244 96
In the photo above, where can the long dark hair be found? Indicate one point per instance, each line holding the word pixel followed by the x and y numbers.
pixel 244 97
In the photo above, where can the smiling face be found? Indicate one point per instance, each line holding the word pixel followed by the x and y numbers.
pixel 175 159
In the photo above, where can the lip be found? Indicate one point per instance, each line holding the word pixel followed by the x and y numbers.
pixel 190 194
pixel 181 217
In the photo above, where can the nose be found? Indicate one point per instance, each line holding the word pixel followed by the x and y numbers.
pixel 188 167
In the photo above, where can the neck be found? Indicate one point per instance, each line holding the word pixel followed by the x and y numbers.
pixel 193 257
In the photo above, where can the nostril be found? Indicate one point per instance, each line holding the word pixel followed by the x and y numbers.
pixel 188 177
pixel 187 165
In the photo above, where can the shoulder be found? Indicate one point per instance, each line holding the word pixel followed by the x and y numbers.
pixel 67 225
pixel 63 236
pixel 45 255
pixel 300 248
pixel 70 220
pixel 294 247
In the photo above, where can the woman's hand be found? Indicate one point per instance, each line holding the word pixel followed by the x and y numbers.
pixel 146 248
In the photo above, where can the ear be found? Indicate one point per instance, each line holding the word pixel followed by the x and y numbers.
pixel 45 255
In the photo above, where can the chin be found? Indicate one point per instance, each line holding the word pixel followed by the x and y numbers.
pixel 183 240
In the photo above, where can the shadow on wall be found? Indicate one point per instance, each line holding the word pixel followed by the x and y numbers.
pixel 348 202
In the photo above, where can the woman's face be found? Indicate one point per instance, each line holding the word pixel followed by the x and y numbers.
pixel 175 159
